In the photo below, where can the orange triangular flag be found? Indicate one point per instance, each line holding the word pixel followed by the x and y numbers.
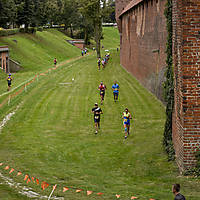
pixel 89 193
pixel 33 179
pixel 26 176
pixel 37 181
pixel 118 196
pixel 7 167
pixel 29 180
pixel 1 164
pixel 79 190
pixel 19 173
pixel 54 187
pixel 44 185
pixel 133 197
pixel 151 199
pixel 100 193
pixel 65 189
pixel 12 170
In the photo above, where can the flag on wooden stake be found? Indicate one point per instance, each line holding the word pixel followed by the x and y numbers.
pixel 1 164
pixel 29 180
pixel 65 189
pixel 89 193
pixel 19 173
pixel 37 181
pixel 133 197
pixel 79 190
pixel 33 179
pixel 118 196
pixel 44 185
pixel 7 167
pixel 100 193
pixel 26 177
pixel 11 171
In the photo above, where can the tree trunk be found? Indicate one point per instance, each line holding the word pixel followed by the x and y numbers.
pixel 97 33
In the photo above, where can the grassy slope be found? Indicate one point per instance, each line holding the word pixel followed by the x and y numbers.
pixel 36 53
pixel 54 139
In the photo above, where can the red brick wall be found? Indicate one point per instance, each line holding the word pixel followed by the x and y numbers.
pixel 186 58
pixel 144 30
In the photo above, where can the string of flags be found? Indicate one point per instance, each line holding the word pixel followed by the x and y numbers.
pixel 44 184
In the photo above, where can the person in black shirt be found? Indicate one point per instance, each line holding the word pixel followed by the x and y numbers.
pixel 176 191
pixel 9 80
pixel 97 113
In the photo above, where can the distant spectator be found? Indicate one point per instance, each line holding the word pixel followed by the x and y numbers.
pixel 55 61
pixel 176 190
pixel 102 46
pixel 117 49
pixel 85 51
pixel 82 52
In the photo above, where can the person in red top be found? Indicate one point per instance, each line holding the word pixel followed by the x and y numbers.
pixel 102 89
pixel 55 61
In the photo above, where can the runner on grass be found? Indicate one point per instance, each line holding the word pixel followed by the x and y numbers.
pixel 97 113
pixel 9 80
pixel 99 63
pixel 55 61
pixel 102 89
pixel 115 88
pixel 126 121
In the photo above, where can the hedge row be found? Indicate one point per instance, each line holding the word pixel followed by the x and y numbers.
pixel 6 32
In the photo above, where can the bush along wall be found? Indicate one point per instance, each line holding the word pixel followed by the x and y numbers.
pixel 169 86
pixel 7 32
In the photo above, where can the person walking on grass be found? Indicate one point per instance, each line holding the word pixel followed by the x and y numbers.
pixel 115 88
pixel 176 190
pixel 102 89
pixel 55 61
pixel 99 63
pixel 126 122
pixel 9 80
pixel 97 114
pixel 82 52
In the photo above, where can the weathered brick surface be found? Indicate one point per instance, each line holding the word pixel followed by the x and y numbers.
pixel 186 45
pixel 143 30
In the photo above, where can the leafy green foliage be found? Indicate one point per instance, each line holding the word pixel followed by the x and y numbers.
pixel 7 32
pixel 169 86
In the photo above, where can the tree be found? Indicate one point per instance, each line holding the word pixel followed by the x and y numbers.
pixel 8 13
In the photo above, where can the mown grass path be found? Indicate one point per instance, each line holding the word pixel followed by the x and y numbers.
pixel 52 136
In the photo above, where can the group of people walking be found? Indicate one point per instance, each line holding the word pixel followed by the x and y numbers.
pixel 97 111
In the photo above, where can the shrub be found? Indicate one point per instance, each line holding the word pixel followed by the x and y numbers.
pixel 30 30
pixel 6 32
pixel 40 29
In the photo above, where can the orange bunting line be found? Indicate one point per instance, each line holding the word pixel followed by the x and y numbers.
pixel 133 197
pixel 1 164
pixel 79 190
pixel 7 167
pixel 65 189
pixel 37 181
pixel 29 180
pixel 118 196
pixel 19 173
pixel 89 193
pixel 26 177
pixel 33 179
pixel 11 171
pixel 44 185
pixel 100 193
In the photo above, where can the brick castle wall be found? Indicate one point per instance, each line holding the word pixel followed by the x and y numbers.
pixel 143 39
pixel 186 58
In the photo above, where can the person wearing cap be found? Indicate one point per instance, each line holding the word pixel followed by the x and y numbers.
pixel 115 88
pixel 176 190
pixel 126 121
pixel 97 113
pixel 9 80
pixel 102 89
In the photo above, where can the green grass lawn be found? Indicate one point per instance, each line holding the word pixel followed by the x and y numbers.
pixel 51 137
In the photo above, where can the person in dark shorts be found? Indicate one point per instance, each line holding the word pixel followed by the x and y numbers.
pixel 55 61
pixel 102 89
pixel 99 63
pixel 9 80
pixel 176 190
pixel 97 113
pixel 126 121
pixel 115 88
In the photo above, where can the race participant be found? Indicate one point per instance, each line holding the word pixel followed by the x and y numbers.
pixel 103 63
pixel 55 61
pixel 126 121
pixel 9 80
pixel 115 88
pixel 97 113
pixel 102 89
pixel 99 63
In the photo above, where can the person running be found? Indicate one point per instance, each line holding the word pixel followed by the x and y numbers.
pixel 99 63
pixel 102 89
pixel 115 88
pixel 55 61
pixel 97 113
pixel 9 80
pixel 176 191
pixel 103 63
pixel 126 121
